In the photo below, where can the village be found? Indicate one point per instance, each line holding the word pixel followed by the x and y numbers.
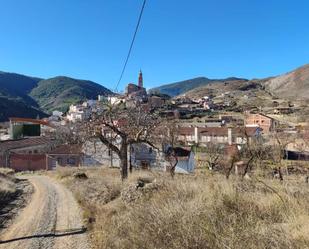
pixel 32 144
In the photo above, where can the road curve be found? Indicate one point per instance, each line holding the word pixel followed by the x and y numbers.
pixel 52 219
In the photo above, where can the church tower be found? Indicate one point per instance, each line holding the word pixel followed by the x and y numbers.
pixel 140 79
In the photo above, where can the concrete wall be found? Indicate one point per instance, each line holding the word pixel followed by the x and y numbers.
pixel 186 165
pixel 144 156
pixel 65 160
pixel 98 154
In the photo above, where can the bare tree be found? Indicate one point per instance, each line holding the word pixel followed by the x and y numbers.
pixel 252 152
pixel 280 142
pixel 169 141
pixel 119 127
pixel 214 153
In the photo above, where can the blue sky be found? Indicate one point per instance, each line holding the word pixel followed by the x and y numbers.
pixel 177 40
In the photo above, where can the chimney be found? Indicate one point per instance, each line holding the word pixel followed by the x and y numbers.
pixel 229 136
pixel 196 135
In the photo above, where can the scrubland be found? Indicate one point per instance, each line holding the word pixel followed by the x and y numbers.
pixel 152 210
pixel 7 185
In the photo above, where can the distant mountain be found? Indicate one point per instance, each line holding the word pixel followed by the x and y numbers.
pixel 182 87
pixel 24 96
pixel 294 84
pixel 60 92
pixel 16 108
pixel 17 86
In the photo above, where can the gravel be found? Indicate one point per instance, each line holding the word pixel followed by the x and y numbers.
pixel 52 219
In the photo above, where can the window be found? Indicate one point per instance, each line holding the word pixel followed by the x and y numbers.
pixel 59 161
pixel 71 161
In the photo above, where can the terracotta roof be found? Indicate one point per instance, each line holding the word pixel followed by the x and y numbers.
pixel 66 149
pixel 217 131
pixel 186 130
pixel 30 120
pixel 23 143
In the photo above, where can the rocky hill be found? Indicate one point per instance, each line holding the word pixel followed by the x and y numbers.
pixel 290 86
pixel 294 84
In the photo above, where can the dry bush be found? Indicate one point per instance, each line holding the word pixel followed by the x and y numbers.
pixel 208 213
pixel 193 211
pixel 7 171
pixel 100 187
pixel 7 186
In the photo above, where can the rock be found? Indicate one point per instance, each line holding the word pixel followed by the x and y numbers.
pixel 140 189
pixel 91 220
pixel 80 175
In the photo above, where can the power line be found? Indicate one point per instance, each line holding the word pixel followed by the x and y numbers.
pixel 131 46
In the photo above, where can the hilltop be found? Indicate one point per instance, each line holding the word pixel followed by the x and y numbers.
pixel 182 87
pixel 26 96
pixel 290 86
pixel 59 92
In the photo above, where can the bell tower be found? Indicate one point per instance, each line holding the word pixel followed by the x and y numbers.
pixel 140 79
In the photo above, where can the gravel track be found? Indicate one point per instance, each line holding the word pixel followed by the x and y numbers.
pixel 52 219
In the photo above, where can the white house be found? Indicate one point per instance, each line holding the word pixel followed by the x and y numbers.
pixel 78 113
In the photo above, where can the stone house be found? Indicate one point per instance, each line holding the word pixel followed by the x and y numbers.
pixel 266 123
pixel 64 156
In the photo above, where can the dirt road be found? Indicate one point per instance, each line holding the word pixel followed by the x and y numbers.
pixel 52 219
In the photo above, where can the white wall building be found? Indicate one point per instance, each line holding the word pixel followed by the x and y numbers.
pixel 79 112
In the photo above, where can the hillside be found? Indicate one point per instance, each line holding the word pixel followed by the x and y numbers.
pixel 17 86
pixel 17 108
pixel 60 92
pixel 294 84
pixel 219 87
pixel 181 87
pixel 24 96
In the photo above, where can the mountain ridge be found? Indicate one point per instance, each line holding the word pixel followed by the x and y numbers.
pixel 38 97
pixel 181 87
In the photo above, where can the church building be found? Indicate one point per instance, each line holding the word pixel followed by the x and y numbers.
pixel 134 91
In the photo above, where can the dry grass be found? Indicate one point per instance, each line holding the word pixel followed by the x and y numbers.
pixel 193 212
pixel 7 186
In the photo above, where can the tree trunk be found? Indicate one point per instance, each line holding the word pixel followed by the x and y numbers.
pixel 130 163
pixel 124 160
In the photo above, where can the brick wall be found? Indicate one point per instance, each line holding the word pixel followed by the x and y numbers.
pixel 24 162
pixel 2 161
pixel 262 121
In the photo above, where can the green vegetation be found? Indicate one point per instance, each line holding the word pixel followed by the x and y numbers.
pixel 25 96
pixel 59 92
pixel 11 107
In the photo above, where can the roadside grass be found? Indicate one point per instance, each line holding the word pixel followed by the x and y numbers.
pixel 204 211
pixel 7 185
